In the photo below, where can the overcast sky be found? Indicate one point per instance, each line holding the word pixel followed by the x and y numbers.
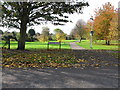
pixel 87 13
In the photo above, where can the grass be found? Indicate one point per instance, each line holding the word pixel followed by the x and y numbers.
pixel 98 45
pixel 38 45
pixel 69 40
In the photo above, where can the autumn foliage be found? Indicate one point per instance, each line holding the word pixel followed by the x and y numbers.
pixel 79 30
pixel 105 23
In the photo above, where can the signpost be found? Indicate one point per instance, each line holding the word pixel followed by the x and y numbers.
pixel 91 32
pixel 54 43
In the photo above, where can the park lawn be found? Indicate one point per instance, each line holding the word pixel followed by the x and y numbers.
pixel 38 45
pixel 69 41
pixel 99 45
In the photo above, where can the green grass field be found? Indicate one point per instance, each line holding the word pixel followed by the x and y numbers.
pixel 38 45
pixel 99 45
pixel 65 45
pixel 69 41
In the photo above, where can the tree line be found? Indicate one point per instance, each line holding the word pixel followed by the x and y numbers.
pixel 32 36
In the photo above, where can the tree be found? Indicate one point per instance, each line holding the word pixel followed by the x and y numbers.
pixel 14 35
pixel 51 36
pixel 1 32
pixel 0 10
pixel 102 21
pixel 57 30
pixel 88 29
pixel 20 15
pixel 113 29
pixel 59 34
pixel 45 31
pixel 79 29
pixel 31 33
pixel 72 35
pixel 42 38
pixel 45 34
pixel 7 38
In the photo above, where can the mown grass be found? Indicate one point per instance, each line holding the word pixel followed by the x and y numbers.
pixel 38 45
pixel 69 40
pixel 100 44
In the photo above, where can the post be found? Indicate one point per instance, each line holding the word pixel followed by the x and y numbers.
pixel 90 40
pixel 60 45
pixel 48 46
pixel 9 44
pixel 91 32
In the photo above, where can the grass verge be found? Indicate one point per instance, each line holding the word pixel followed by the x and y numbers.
pixel 38 45
pixel 98 45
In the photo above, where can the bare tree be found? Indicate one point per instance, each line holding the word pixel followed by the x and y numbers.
pixel 79 29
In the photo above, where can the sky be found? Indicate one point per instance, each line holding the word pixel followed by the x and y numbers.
pixel 87 13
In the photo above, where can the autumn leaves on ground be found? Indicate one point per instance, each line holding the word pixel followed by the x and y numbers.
pixel 55 58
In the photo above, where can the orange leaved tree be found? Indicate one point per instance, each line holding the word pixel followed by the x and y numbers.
pixel 103 22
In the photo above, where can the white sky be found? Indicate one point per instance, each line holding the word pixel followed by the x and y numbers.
pixel 87 13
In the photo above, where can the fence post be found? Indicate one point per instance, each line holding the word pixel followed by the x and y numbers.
pixel 48 46
pixel 60 45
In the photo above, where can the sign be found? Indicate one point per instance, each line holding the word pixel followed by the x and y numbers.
pixel 54 43
pixel 91 33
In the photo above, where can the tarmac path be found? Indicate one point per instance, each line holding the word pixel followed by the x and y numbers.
pixel 61 78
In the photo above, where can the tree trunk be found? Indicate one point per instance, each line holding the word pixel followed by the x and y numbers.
pixel 21 42
pixel 23 27
pixel 22 39
pixel 9 44
pixel 108 43
pixel 80 40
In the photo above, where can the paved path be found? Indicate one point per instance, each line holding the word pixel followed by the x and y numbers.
pixel 74 46
pixel 61 78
